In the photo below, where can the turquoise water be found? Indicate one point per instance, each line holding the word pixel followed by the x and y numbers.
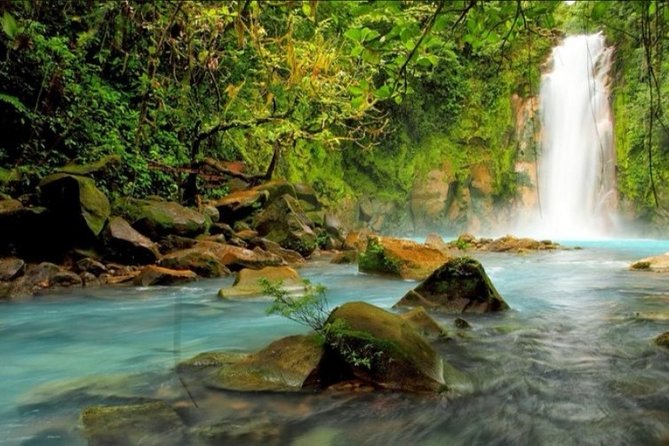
pixel 573 363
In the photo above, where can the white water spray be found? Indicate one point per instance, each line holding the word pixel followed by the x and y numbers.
pixel 577 188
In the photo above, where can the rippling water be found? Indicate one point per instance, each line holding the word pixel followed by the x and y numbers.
pixel 572 363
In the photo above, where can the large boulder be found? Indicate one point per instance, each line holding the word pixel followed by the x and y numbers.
pixel 240 204
pixel 510 243
pixel 276 189
pixel 284 222
pixel 157 218
pixel 11 267
pixel 76 202
pixel 157 275
pixel 460 285
pixel 663 339
pixel 37 278
pixel 380 348
pixel 656 264
pixel 153 423
pixel 402 258
pixel 247 283
pixel 126 245
pixel 283 366
pixel 198 259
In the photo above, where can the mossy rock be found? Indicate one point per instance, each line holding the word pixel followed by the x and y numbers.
pixel 103 165
pixel 125 244
pixel 200 260
pixel 380 348
pixel 659 264
pixel 153 423
pixel 460 285
pixel 160 218
pixel 76 197
pixel 283 366
pixel 276 189
pixel 400 258
pixel 663 340
pixel 247 283
pixel 285 223
pixel 424 323
pixel 157 275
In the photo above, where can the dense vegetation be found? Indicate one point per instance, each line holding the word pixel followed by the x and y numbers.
pixel 354 98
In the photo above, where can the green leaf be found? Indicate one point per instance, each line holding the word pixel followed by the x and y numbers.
pixel 652 7
pixel 306 9
pixel 357 50
pixel 9 25
pixel 356 102
pixel 355 90
pixel 355 34
pixel 440 24
pixel 384 92
pixel 15 102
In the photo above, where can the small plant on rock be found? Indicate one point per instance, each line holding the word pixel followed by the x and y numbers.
pixel 309 308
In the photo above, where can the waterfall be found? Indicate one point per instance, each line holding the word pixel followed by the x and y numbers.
pixel 577 190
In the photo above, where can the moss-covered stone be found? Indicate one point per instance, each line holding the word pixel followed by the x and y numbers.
pixel 160 218
pixel 381 348
pixel 401 258
pixel 284 222
pixel 76 197
pixel 659 264
pixel 247 283
pixel 663 340
pixel 282 366
pixel 460 285
pixel 125 244
pixel 198 259
pixel 157 275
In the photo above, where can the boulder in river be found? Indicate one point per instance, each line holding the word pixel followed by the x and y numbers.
pixel 402 258
pixel 198 259
pixel 381 348
pixel 247 283
pixel 239 205
pixel 461 285
pixel 236 258
pixel 659 264
pixel 663 340
pixel 284 365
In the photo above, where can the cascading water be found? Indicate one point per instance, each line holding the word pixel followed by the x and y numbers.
pixel 577 171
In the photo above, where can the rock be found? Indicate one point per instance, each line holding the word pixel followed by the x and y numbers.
pixel 658 264
pixel 153 423
pixel 350 256
pixel 663 340
pixel 357 240
pixel 402 258
pixel 66 279
pixel 248 431
pixel 284 222
pixel 308 197
pixel 333 225
pixel 211 212
pixel 460 285
pixel 103 166
pixel 29 232
pixel 247 283
pixel 435 241
pixel 276 189
pixel 380 348
pixel 173 242
pixel 9 205
pixel 198 259
pixel 236 258
pixel 222 229
pixel 125 244
pixel 423 323
pixel 160 218
pixel 89 279
pixel 76 202
pixel 513 244
pixel 284 365
pixel 240 205
pixel 91 266
pixel 482 180
pixel 36 278
pixel 11 268
pixel 247 235
pixel 157 275
pixel 290 256
pixel 462 324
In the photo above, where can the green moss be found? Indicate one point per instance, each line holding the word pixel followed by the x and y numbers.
pixel 374 259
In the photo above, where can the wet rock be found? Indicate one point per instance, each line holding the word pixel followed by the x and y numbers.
pixel 435 241
pixel 659 264
pixel 211 212
pixel 36 278
pixel 247 283
pixel 28 232
pixel 663 340
pixel 66 279
pixel 241 432
pixel 284 222
pixel 92 266
pixel 276 189
pixel 308 197
pixel 157 275
pixel 290 256
pixel 357 240
pixel 343 257
pixel 247 235
pixel 460 285
pixel 125 244
pixel 401 258
pixel 510 243
pixel 284 365
pixel 153 423
pixel 11 268
pixel 198 259
pixel 160 218
pixel 10 204
pixel 462 324
pixel 222 229
pixel 380 348
pixel 211 359
pixel 424 323
pixel 76 202
pixel 89 279
pixel 240 204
